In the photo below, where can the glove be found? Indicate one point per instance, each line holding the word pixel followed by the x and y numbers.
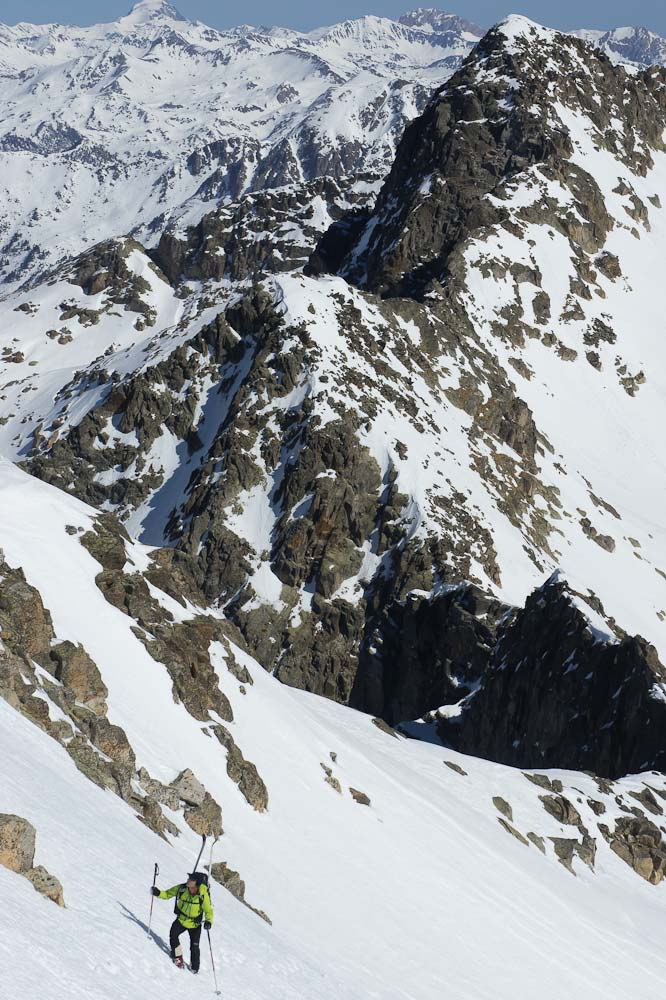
pixel 155 891
pixel 207 925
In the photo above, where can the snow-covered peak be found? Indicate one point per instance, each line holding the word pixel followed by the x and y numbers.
pixel 517 28
pixel 635 45
pixel 432 20
pixel 148 11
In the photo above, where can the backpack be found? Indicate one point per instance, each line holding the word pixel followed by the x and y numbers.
pixel 201 878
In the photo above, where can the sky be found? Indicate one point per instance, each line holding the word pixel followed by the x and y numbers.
pixel 303 14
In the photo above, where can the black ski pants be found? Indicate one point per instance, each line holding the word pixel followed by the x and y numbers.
pixel 174 938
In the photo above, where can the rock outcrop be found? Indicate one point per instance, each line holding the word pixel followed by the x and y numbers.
pixel 556 693
pixel 17 852
pixel 456 164
pixel 234 884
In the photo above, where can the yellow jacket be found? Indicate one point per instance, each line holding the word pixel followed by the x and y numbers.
pixel 191 910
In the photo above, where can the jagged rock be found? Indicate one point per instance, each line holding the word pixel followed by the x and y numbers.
pixel 565 848
pixel 639 843
pixel 385 728
pixel 503 806
pixel 112 742
pixel 434 652
pixel 554 695
pixel 512 830
pixel 105 269
pixel 537 841
pixel 17 843
pixel 184 649
pixel 189 788
pixel 224 244
pixel 46 884
pixel 232 881
pixel 543 781
pixel 76 671
pixel 206 818
pixel 229 878
pixel 113 776
pixel 154 818
pixel 561 809
pixel 330 778
pixel 165 794
pixel 359 797
pixel 648 801
pixel 26 625
pixel 455 767
pixel 106 543
pixel 178 575
pixel 243 772
pixel 321 654
pixel 17 852
pixel 452 157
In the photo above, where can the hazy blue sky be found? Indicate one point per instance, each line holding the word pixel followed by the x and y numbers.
pixel 306 14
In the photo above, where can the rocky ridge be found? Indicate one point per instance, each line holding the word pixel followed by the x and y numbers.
pixel 344 458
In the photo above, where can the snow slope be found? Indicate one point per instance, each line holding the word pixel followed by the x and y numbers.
pixel 420 893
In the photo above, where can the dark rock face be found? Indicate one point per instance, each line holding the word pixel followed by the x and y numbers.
pixel 265 232
pixel 470 142
pixel 431 653
pixel 555 695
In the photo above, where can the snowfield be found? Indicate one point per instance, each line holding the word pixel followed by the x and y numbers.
pixel 390 868
pixel 421 894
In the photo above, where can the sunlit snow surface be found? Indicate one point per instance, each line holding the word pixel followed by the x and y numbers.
pixel 419 896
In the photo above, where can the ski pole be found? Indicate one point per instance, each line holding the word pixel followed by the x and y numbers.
pixel 152 898
pixel 212 962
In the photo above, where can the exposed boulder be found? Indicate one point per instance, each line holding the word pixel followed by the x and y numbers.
pixel 78 672
pixel 17 852
pixel 189 788
pixel 360 797
pixel 17 843
pixel 25 623
pixel 167 795
pixel 46 884
pixel 561 809
pixel 206 818
pixel 503 806
pixel 640 845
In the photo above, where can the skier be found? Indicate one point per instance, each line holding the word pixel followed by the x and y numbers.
pixel 193 906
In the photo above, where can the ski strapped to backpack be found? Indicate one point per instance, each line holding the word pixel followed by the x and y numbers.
pixel 201 878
